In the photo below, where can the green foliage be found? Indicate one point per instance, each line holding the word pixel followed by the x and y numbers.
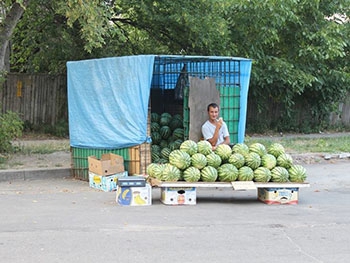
pixel 11 127
pixel 299 55
pixel 60 129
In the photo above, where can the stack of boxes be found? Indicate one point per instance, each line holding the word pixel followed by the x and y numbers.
pixel 104 172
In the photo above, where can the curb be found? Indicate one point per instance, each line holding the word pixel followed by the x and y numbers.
pixel 32 174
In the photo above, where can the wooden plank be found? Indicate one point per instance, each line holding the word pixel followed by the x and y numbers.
pixel 237 185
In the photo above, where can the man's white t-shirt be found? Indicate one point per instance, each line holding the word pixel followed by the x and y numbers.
pixel 208 130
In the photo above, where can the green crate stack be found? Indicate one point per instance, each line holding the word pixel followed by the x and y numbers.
pixel 80 165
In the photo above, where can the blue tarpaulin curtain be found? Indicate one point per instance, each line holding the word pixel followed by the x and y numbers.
pixel 108 101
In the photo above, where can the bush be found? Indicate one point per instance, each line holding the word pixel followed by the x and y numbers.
pixel 11 127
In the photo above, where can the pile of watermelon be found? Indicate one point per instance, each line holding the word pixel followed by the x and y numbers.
pixel 167 134
pixel 196 161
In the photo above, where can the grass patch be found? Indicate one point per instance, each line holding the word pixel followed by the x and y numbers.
pixel 307 145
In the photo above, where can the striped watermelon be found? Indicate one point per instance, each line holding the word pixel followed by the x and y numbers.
pixel 165 153
pixel 252 160
pixel 241 148
pixel 268 161
pixel 227 173
pixel 180 159
pixel 178 133
pixel 165 119
pixel 156 137
pixel 285 160
pixel 279 174
pixel 297 173
pixel 213 160
pixel 165 132
pixel 262 174
pixel 198 160
pixel 258 148
pixel 224 151
pixel 155 126
pixel 171 173
pixel 276 149
pixel 192 174
pixel 209 174
pixel 189 146
pixel 237 160
pixel 204 147
pixel 245 173
pixel 155 117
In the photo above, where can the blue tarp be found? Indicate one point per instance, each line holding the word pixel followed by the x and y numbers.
pixel 108 101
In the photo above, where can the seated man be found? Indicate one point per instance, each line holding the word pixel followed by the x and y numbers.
pixel 215 130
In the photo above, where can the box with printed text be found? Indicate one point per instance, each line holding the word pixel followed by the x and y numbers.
pixel 278 195
pixel 134 196
pixel 178 195
pixel 105 183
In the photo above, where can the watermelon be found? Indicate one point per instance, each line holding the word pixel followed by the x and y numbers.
pixel 268 161
pixel 241 148
pixel 198 160
pixel 189 147
pixel 157 171
pixel 178 142
pixel 213 160
pixel 155 148
pixel 176 122
pixel 279 174
pixel 237 160
pixel 155 156
pixel 180 159
pixel 165 153
pixel 155 117
pixel 262 174
pixel 276 149
pixel 155 126
pixel 165 119
pixel 297 173
pixel 245 173
pixel 150 169
pixel 285 160
pixel 204 147
pixel 224 151
pixel 227 173
pixel 156 137
pixel 209 174
pixel 171 173
pixel 252 160
pixel 258 148
pixel 163 143
pixel 165 132
pixel 178 133
pixel 192 174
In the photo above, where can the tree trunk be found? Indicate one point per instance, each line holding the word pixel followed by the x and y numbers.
pixel 7 28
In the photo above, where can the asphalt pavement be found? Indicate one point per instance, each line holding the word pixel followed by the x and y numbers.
pixel 60 219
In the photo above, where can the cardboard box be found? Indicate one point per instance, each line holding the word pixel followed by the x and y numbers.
pixel 278 195
pixel 134 196
pixel 105 183
pixel 178 195
pixel 109 164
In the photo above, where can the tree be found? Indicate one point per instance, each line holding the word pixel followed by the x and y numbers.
pixel 11 14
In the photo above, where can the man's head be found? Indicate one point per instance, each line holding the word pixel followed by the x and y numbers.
pixel 213 111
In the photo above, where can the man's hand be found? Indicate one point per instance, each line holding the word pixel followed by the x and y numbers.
pixel 219 123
